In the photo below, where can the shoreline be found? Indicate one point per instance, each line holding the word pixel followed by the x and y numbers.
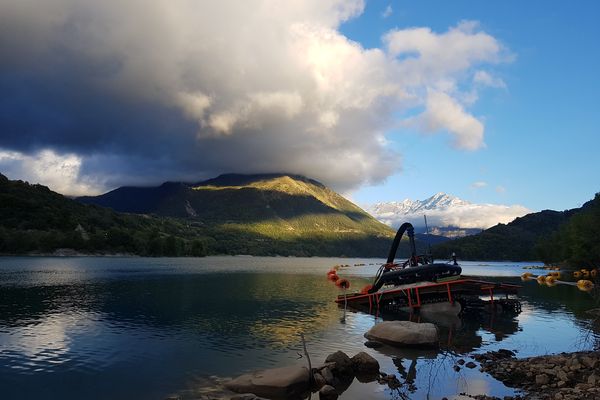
pixel 563 376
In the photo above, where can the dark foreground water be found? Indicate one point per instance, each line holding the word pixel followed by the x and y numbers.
pixel 136 328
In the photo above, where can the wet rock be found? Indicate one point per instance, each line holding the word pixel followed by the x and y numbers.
pixel 402 333
pixel 318 380
pixel 343 364
pixel 272 383
pixel 328 392
pixel 364 364
pixel 461 362
pixel 542 379
pixel 246 396
pixel 327 375
pixel 470 364
pixel 594 311
pixel 562 376
pixel 456 368
pixel 373 344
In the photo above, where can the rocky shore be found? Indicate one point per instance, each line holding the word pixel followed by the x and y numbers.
pixel 565 376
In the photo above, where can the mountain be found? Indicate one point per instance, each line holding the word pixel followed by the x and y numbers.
pixel 34 219
pixel 520 240
pixel 447 215
pixel 260 214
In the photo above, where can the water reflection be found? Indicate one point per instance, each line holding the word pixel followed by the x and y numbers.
pixel 146 328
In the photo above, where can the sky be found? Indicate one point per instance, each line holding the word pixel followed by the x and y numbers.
pixel 493 102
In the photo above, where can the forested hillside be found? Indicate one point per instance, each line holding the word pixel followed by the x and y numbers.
pixel 570 236
pixel 234 214
pixel 34 219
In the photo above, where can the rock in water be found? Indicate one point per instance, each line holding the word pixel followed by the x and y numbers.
pixel 366 368
pixel 328 393
pixel 403 333
pixel 286 382
pixel 343 364
pixel 363 363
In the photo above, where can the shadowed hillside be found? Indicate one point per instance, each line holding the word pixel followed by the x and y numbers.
pixel 549 236
pixel 34 219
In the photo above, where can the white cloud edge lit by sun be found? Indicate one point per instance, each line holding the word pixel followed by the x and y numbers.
pixel 60 173
pixel 287 74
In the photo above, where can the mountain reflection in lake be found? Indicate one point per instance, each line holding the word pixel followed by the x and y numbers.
pixel 125 328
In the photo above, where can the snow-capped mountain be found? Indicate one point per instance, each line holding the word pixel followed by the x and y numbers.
pixel 446 215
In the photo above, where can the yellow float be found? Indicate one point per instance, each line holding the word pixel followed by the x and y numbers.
pixel 541 279
pixel 576 274
pixel 585 273
pixel 550 281
pixel 585 285
pixel 526 276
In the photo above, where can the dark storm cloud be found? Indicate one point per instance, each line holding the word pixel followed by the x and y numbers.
pixel 100 94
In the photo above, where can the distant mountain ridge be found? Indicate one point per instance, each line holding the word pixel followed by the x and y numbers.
pixel 447 215
pixel 273 210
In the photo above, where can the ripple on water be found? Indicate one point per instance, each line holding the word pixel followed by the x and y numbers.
pixel 149 324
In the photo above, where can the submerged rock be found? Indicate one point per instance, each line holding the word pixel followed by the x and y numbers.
pixel 403 333
pixel 286 382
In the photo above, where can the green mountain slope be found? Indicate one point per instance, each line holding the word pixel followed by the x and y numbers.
pixel 34 219
pixel 535 236
pixel 261 214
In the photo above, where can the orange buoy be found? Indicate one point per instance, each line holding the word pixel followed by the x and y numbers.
pixel 585 273
pixel 526 276
pixel 333 277
pixel 550 281
pixel 576 274
pixel 584 285
pixel 593 273
pixel 342 283
pixel 555 274
pixel 366 289
pixel 541 279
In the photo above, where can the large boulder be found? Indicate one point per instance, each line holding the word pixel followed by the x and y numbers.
pixel 404 333
pixel 276 383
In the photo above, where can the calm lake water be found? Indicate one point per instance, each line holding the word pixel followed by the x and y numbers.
pixel 139 328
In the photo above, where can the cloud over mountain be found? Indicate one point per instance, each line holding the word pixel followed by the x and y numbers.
pixel 140 92
pixel 443 210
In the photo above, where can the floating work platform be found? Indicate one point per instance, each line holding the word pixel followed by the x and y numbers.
pixel 461 293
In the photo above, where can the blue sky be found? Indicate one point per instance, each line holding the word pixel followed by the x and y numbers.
pixel 494 102
pixel 542 132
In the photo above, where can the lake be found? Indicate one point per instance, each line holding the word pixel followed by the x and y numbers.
pixel 150 328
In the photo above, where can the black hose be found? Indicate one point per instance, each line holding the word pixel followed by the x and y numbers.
pixel 408 228
pixel 405 227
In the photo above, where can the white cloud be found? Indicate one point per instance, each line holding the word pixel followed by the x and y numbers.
pixel 500 189
pixel 458 213
pixel 478 185
pixel 266 86
pixel 59 172
pixel 483 78
pixel 477 215
pixel 444 112
pixel 388 11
